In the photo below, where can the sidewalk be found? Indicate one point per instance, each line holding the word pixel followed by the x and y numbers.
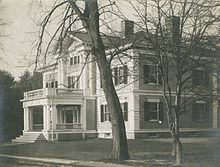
pixel 64 161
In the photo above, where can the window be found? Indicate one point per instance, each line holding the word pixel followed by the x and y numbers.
pixel 56 84
pixel 200 77
pixel 120 75
pixel 153 111
pixel 152 74
pixel 53 84
pixel 200 111
pixel 71 61
pixel 76 59
pixel 105 115
pixel 73 82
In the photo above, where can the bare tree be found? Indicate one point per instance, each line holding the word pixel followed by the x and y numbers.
pixel 86 13
pixel 182 35
pixel 3 23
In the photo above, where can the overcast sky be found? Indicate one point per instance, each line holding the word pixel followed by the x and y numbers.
pixel 17 44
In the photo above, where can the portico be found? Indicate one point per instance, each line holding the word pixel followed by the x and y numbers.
pixel 54 111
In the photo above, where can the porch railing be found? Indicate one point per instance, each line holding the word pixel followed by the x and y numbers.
pixel 42 93
pixel 72 126
pixel 38 126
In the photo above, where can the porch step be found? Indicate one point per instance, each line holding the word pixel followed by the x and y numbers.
pixel 30 138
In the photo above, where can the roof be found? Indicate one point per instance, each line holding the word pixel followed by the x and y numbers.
pixel 113 41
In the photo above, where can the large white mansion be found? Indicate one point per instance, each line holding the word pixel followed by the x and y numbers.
pixel 71 105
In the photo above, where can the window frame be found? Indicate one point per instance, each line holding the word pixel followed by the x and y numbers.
pixel 197 80
pixel 148 75
pixel 105 114
pixel 120 75
pixel 159 111
pixel 71 61
pixel 198 115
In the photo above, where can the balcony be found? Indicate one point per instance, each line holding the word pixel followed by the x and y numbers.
pixel 52 92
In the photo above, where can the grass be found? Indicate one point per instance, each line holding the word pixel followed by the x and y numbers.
pixel 151 152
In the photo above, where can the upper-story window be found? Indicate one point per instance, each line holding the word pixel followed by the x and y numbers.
pixel 73 82
pixel 120 75
pixel 74 60
pixel 152 74
pixel 71 61
pixel 153 111
pixel 200 77
pixel 104 113
pixel 52 84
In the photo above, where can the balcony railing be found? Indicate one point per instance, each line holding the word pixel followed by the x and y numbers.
pixel 71 126
pixel 52 92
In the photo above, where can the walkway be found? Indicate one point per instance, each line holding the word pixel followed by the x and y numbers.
pixel 63 161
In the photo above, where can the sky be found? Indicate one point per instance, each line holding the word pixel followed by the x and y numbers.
pixel 18 42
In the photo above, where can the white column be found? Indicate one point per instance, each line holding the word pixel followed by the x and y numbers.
pixel 74 116
pixel 215 101
pixel 28 119
pixel 31 119
pixel 215 113
pixel 54 116
pixel 44 80
pixel 136 113
pixel 48 117
pixel 78 116
pixel 45 117
pixel 25 118
pixel 83 115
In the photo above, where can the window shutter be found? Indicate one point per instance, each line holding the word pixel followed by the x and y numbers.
pixel 146 73
pixel 207 78
pixel 194 110
pixel 116 75
pixel 75 59
pixel 56 84
pixel 160 82
pixel 78 59
pixel 194 78
pixel 126 111
pixel 102 113
pixel 146 111
pixel 52 84
pixel 71 61
pixel 161 111
pixel 207 112
pixel 101 80
pixel 69 82
pixel 125 69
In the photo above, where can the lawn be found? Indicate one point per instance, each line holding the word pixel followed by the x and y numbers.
pixel 201 152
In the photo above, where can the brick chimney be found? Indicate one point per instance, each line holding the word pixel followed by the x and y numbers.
pixel 127 27
pixel 173 27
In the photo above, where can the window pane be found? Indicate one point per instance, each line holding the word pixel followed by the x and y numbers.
pixel 150 111
pixel 146 73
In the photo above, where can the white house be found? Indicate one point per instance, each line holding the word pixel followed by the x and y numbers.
pixel 72 105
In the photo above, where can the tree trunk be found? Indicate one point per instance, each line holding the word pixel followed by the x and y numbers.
pixel 173 145
pixel 177 139
pixel 178 152
pixel 120 149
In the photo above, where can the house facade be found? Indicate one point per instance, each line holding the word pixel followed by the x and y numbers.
pixel 71 105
